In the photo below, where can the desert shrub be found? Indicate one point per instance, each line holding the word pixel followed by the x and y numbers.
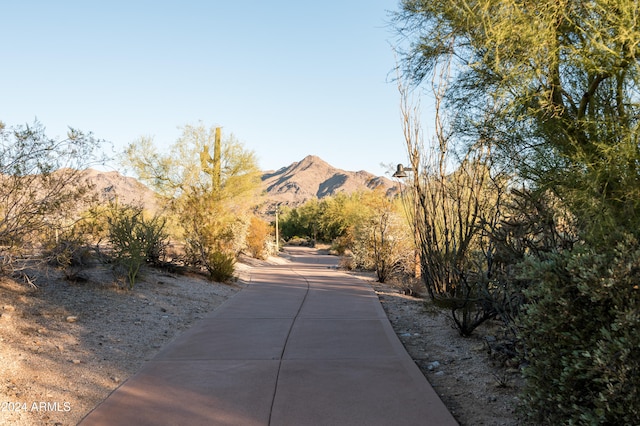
pixel 301 241
pixel 257 237
pixel 341 244
pixel 580 330
pixel 213 236
pixel 382 241
pixel 135 240
pixel 346 262
pixel 221 266
pixel 67 249
pixel 201 251
pixel 39 186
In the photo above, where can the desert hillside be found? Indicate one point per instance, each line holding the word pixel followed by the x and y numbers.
pixel 113 186
pixel 312 177
pixel 309 178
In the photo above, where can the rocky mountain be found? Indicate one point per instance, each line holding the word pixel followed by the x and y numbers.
pixel 312 177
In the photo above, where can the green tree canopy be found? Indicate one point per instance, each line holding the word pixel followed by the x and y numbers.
pixel 181 171
pixel 554 84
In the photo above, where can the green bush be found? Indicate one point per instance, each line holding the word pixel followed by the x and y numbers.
pixel 221 266
pixel 135 240
pixel 581 333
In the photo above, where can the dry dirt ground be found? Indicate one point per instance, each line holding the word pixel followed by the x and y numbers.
pixel 474 380
pixel 65 346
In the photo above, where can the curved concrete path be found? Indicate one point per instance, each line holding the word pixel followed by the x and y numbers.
pixel 303 344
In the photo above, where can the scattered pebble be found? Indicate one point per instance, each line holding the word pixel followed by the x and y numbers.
pixel 433 365
pixel 72 318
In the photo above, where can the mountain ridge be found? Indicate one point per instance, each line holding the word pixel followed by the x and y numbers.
pixel 309 178
pixel 312 177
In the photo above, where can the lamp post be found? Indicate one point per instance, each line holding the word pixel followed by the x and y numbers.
pixel 277 231
pixel 401 173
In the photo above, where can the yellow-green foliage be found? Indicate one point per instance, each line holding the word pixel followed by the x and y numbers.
pixel 552 88
pixel 382 238
pixel 221 266
pixel 211 233
pixel 368 224
pixel 212 210
pixel 258 234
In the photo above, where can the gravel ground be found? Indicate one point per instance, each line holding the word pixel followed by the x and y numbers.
pixel 474 383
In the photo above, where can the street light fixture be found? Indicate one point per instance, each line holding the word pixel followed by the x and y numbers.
pixel 401 171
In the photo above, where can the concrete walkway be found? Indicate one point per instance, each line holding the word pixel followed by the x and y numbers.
pixel 303 344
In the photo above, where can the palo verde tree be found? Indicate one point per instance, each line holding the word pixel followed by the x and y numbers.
pixel 553 85
pixel 210 195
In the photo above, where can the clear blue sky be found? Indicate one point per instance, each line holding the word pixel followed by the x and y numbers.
pixel 287 78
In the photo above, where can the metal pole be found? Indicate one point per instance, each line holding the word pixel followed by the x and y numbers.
pixel 277 233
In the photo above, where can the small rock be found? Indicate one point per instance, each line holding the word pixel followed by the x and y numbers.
pixel 5 316
pixel 439 373
pixel 76 361
pixel 9 308
pixel 116 379
pixel 433 365
pixel 72 318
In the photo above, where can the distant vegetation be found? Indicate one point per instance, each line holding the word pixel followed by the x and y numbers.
pixel 368 226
